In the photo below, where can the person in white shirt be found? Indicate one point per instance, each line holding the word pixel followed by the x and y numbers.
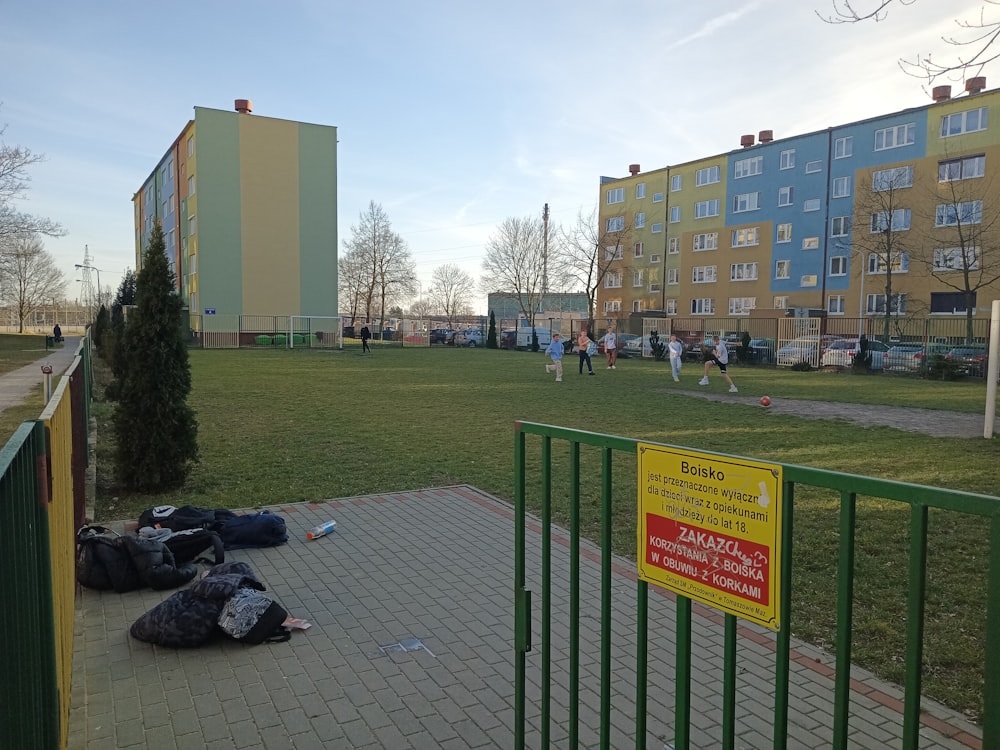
pixel 720 357
pixel 610 340
pixel 676 350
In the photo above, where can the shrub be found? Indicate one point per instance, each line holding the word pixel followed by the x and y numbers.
pixel 942 368
pixel 802 366
pixel 657 347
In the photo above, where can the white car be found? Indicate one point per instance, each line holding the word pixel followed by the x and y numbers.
pixel 842 353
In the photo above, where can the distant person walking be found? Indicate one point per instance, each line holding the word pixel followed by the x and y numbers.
pixel 365 335
pixel 720 357
pixel 555 351
pixel 610 340
pixel 56 333
pixel 583 344
pixel 676 350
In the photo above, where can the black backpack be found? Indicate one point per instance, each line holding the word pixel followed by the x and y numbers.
pixel 188 544
pixel 101 560
pixel 185 517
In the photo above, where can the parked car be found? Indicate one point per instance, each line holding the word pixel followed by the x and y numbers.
pixel 971 360
pixel 912 357
pixel 440 335
pixel 804 348
pixel 520 338
pixel 628 345
pixel 842 353
pixel 762 351
pixel 471 337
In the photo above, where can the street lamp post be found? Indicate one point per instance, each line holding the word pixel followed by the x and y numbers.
pixel 92 268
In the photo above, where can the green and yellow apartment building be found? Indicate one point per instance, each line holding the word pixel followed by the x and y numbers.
pixel 248 206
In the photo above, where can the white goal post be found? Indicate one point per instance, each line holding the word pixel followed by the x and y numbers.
pixel 314 332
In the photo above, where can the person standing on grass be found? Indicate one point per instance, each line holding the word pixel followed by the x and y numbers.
pixel 583 343
pixel 676 350
pixel 555 351
pixel 365 335
pixel 610 340
pixel 720 357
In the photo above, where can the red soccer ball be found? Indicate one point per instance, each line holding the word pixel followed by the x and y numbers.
pixel 765 400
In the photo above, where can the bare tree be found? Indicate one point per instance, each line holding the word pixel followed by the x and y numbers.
pixel 589 251
pixel 350 280
pixel 14 164
pixel 422 308
pixel 974 43
pixel 962 250
pixel 514 266
pixel 385 271
pixel 28 276
pixel 881 198
pixel 451 289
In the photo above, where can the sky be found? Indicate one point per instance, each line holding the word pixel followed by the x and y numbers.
pixel 452 115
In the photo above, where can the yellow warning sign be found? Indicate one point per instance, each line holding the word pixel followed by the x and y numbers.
pixel 710 530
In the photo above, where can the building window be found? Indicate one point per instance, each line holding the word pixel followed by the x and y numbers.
pixel 704 209
pixel 657 197
pixel 746 237
pixel 192 225
pixel 193 264
pixel 894 137
pixel 841 187
pixel 673 276
pixel 813 204
pixel 748 167
pixel 654 287
pixel 808 280
pixel 951 303
pixel 787 159
pixel 900 221
pixel 613 252
pixel 670 306
pixel 675 214
pixel 964 122
pixel 616 224
pixel 843 147
pixel 707 241
pixel 191 151
pixel 612 306
pixel 616 195
pixel 640 220
pixel 657 227
pixel 810 243
pixel 890 179
pixel 613 280
pixel 675 182
pixel 783 269
pixel 674 245
pixel 877 264
pixel 838 265
pixel 166 209
pixel 637 250
pixel 703 306
pixel 965 168
pixel 703 274
pixel 875 304
pixel 956 259
pixel 840 226
pixel 741 305
pixel 636 305
pixel 835 304
pixel 654 258
pixel 745 202
pixel 637 278
pixel 814 166
pixel 640 191
pixel 707 176
pixel 780 303
pixel 783 233
pixel 743 272
pixel 191 185
pixel 785 195
pixel 956 214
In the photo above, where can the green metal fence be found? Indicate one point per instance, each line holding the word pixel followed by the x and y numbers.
pixel 545 484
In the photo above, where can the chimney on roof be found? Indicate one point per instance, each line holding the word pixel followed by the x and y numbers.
pixel 941 93
pixel 975 85
pixel 765 136
pixel 633 169
pixel 746 141
pixel 244 106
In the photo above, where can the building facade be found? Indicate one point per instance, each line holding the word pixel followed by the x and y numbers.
pixel 898 210
pixel 248 206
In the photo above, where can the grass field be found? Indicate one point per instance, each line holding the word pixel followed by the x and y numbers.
pixel 290 426
pixel 17 350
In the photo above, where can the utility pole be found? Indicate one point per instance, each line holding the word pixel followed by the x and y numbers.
pixel 545 249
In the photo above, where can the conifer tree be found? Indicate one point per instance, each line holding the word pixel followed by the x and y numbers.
pixel 155 429
pixel 491 336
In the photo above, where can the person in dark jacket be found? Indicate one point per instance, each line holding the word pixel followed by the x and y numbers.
pixel 365 335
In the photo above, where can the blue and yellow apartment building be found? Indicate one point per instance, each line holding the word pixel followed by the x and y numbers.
pixel 816 221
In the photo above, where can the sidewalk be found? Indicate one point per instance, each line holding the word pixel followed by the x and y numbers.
pixel 16 385
pixel 411 646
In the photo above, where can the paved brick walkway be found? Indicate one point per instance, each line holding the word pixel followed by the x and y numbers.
pixel 434 566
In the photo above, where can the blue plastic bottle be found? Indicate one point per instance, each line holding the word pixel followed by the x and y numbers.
pixel 322 530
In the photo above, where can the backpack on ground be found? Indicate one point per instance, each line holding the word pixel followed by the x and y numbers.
pixel 264 529
pixel 251 617
pixel 185 517
pixel 189 544
pixel 102 563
